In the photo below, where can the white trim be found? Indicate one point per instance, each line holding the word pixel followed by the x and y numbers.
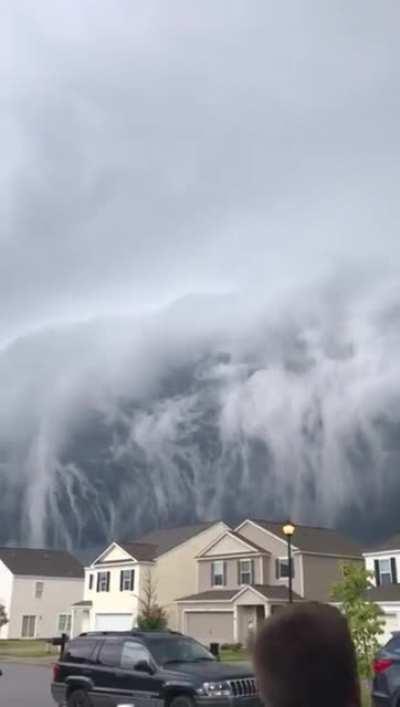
pixel 340 556
pixel 206 601
pixel 379 553
pixel 268 532
pixel 112 545
pixel 229 533
pixel 301 572
pixel 36 617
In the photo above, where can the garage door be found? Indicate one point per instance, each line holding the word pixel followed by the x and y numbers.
pixel 210 626
pixel 113 622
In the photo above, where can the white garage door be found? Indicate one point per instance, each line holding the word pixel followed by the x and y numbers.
pixel 113 622
pixel 210 626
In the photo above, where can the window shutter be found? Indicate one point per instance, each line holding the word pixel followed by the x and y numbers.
pixel 212 574
pixel 121 580
pixel 90 581
pixel 238 571
pixel 98 582
pixel 108 581
pixel 224 579
pixel 253 579
pixel 132 580
pixel 277 573
pixel 377 574
pixel 394 570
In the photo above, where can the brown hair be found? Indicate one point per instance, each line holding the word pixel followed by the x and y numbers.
pixel 304 657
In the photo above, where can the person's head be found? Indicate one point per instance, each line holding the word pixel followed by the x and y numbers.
pixel 304 657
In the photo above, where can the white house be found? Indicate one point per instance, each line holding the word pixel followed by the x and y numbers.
pixel 384 562
pixel 116 580
pixel 36 589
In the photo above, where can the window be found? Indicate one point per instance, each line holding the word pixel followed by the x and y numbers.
pixel 103 581
pixel 218 573
pixel 133 653
pixel 79 651
pixel 385 571
pixel 90 581
pixel 127 580
pixel 28 626
pixel 393 646
pixel 39 586
pixel 246 572
pixel 64 624
pixel 282 568
pixel 179 649
pixel 110 653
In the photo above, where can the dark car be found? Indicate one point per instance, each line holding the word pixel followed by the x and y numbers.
pixel 148 669
pixel 386 684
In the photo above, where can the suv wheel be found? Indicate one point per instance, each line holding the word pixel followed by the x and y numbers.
pixel 182 701
pixel 79 698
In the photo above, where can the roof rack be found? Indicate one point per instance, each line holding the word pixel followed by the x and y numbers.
pixel 132 632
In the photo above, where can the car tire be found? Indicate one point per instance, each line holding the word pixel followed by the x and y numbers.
pixel 79 698
pixel 182 701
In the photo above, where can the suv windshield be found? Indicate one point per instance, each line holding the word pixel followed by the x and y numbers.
pixel 178 650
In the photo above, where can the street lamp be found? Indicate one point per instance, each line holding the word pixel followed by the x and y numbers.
pixel 288 531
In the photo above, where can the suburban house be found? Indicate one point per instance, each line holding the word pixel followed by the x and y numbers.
pixel 36 589
pixel 115 583
pixel 243 577
pixel 383 562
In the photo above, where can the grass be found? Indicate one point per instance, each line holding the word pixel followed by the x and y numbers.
pixel 231 655
pixel 26 649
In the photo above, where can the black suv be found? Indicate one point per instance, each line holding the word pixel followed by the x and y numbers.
pixel 151 669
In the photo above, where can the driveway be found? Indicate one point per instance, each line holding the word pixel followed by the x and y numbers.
pixel 25 686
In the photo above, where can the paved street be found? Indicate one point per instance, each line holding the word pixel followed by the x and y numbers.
pixel 25 686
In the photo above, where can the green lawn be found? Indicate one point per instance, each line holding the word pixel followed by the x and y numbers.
pixel 231 655
pixel 26 649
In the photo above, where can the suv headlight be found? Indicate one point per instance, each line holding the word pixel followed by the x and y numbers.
pixel 216 689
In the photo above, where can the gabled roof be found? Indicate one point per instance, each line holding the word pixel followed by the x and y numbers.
pixel 249 544
pixel 392 543
pixel 142 552
pixel 271 592
pixel 322 541
pixel 40 563
pixel 168 538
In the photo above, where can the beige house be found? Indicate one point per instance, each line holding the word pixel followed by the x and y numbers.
pixel 115 582
pixel 243 577
pixel 36 589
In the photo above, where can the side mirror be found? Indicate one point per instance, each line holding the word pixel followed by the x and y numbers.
pixel 143 666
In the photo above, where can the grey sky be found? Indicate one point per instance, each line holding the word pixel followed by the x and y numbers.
pixel 151 149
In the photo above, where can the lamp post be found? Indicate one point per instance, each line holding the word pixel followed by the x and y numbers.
pixel 288 531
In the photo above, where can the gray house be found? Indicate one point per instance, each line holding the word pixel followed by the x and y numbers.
pixel 243 577
pixel 37 588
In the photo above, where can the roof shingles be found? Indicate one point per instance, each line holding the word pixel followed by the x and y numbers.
pixel 323 541
pixel 41 563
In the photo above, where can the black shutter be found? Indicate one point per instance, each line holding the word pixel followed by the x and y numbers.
pixel 238 571
pixel 121 580
pixel 132 580
pixel 277 567
pixel 377 573
pixel 253 579
pixel 98 582
pixel 90 581
pixel 108 582
pixel 394 570
pixel 212 574
pixel 224 576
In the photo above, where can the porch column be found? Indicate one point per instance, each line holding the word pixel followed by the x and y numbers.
pixel 235 624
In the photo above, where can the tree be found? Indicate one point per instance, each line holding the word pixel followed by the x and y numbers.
pixel 364 617
pixel 152 616
pixel 3 616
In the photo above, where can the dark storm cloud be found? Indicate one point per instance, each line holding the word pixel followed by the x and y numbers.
pixel 152 150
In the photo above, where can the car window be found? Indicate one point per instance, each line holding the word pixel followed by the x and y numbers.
pixel 180 649
pixel 133 653
pixel 393 646
pixel 110 653
pixel 79 651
